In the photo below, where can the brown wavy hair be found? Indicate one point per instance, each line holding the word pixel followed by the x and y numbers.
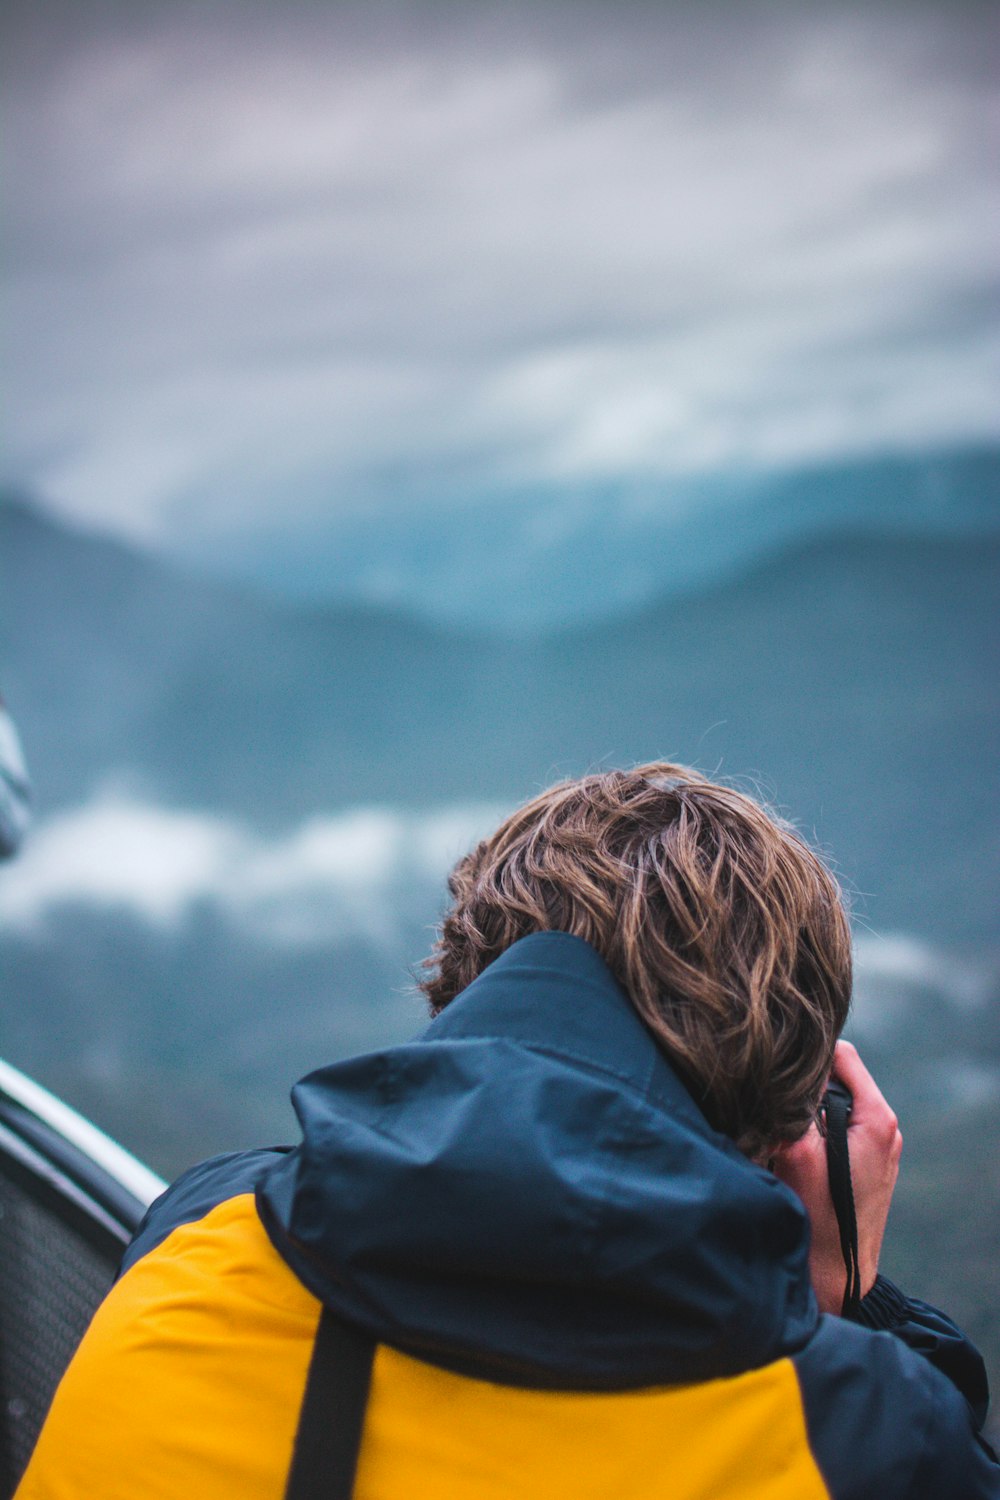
pixel 725 929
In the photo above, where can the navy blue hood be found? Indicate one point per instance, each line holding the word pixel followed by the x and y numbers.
pixel 528 1192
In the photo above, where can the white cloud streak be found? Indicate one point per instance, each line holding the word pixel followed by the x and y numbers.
pixel 890 967
pixel 355 873
pixel 339 255
pixel 370 872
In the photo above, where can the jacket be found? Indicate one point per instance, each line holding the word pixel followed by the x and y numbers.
pixel 577 1287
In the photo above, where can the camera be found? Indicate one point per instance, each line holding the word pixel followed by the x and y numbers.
pixel 837 1101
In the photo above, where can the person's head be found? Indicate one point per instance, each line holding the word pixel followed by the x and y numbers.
pixel 726 931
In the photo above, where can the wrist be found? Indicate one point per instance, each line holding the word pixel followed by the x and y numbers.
pixel 829 1281
pixel 883 1307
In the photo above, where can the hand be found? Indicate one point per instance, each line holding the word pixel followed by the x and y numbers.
pixel 874 1145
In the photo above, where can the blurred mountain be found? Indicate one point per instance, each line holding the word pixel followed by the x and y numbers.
pixel 856 675
pixel 569 554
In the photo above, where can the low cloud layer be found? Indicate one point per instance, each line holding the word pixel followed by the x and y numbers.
pixel 890 967
pixel 346 875
pixel 263 263
pixel 366 873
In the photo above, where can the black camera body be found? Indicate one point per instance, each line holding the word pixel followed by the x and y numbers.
pixel 837 1098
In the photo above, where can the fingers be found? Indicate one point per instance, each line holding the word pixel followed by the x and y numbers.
pixel 870 1109
pixel 872 1118
pixel 848 1067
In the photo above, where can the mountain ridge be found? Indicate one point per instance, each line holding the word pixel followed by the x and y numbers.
pixel 854 538
pixel 856 678
pixel 549 555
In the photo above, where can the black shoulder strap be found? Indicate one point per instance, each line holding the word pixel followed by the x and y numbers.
pixel 325 1457
pixel 838 1110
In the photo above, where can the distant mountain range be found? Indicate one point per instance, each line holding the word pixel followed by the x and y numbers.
pixel 568 555
pixel 856 676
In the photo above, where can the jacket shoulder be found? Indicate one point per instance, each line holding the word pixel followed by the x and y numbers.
pixel 196 1192
pixel 882 1420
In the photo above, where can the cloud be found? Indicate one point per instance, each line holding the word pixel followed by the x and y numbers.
pixel 357 256
pixel 891 968
pixel 333 876
pixel 343 873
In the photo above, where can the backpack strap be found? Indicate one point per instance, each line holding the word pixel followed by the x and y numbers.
pixel 325 1456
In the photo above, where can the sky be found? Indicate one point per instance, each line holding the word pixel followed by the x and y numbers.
pixel 269 265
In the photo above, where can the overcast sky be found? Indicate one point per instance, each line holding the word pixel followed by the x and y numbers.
pixel 284 259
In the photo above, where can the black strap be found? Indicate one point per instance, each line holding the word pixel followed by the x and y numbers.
pixel 838 1111
pixel 325 1457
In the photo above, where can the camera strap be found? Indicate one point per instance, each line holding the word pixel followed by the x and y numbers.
pixel 838 1110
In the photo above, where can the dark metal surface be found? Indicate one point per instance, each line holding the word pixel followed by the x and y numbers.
pixel 64 1222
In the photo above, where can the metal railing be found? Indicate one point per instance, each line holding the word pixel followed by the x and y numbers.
pixel 70 1201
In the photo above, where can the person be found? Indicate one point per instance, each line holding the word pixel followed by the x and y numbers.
pixel 577 1239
